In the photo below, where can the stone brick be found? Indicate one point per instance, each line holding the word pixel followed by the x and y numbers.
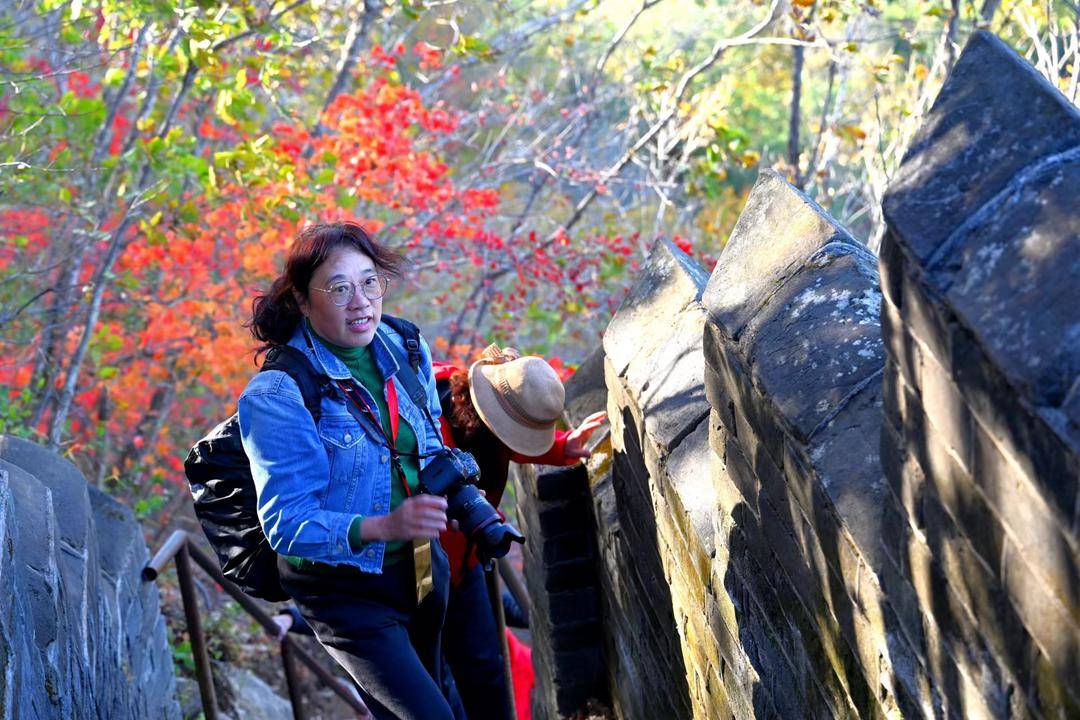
pixel 668 283
pixel 554 484
pixel 688 471
pixel 1045 546
pixel 891 262
pixel 925 319
pixel 947 411
pixel 779 228
pixel 845 458
pixel 564 517
pixel 1047 461
pixel 741 475
pixel 902 350
pixel 668 385
pixel 586 392
pixel 1010 278
pixel 818 340
pixel 972 145
pixel 716 393
pixel 80 632
pixel 1029 518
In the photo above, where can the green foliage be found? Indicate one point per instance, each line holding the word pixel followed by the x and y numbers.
pixel 183 655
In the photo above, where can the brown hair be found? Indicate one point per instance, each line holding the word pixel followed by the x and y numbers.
pixel 464 420
pixel 275 313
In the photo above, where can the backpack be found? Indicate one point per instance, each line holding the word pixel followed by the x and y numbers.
pixel 223 491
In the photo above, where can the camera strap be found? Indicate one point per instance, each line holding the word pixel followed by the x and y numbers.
pixel 370 420
pixel 413 387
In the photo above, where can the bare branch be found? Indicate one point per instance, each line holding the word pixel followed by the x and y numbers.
pixel 354 42
pixel 619 36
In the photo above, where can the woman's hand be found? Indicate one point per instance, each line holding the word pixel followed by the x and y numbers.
pixel 284 622
pixel 419 517
pixel 576 440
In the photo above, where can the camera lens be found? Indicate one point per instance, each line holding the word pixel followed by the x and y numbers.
pixel 497 539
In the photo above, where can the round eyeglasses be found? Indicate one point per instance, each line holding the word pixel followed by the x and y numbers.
pixel 341 292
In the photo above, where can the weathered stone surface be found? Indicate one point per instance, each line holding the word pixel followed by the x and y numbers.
pixel 846 460
pixel 689 472
pixel 1010 274
pixel 668 386
pixel 556 514
pixel 82 634
pixel 585 390
pixel 245 697
pixel 779 228
pixel 669 282
pixel 817 341
pixel 874 513
pixel 973 143
pixel 981 444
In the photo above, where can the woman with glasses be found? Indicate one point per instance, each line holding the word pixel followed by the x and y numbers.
pixel 337 499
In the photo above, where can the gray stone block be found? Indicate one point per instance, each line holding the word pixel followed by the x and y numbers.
pixel 670 281
pixel 668 386
pixel 973 144
pixel 66 484
pixel 817 341
pixel 81 634
pixel 846 460
pixel 586 392
pixel 689 469
pixel 1011 277
pixel 779 228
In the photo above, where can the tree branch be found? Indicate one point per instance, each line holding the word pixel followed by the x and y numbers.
pixel 619 36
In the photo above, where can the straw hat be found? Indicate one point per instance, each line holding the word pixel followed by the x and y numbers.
pixel 519 399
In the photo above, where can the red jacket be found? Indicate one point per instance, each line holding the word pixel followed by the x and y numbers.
pixel 494 464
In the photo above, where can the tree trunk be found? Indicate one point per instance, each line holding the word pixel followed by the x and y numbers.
pixel 795 120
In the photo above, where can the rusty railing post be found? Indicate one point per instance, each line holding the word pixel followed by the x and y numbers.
pixel 292 681
pixel 195 634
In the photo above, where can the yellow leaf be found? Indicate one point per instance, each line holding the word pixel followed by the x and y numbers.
pixel 852 132
pixel 749 158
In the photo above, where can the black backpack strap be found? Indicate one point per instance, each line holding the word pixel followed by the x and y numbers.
pixel 294 363
pixel 407 371
pixel 314 385
pixel 410 335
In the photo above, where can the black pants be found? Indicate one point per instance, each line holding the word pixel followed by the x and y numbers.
pixel 474 649
pixel 371 625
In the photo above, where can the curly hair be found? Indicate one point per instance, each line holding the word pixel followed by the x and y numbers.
pixel 464 420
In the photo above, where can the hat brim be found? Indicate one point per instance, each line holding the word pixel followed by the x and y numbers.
pixel 523 440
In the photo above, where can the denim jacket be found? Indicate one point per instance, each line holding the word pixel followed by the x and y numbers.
pixel 312 481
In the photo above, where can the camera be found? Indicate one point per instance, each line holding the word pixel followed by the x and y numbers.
pixel 453 473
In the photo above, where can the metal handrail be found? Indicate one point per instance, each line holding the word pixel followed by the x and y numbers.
pixel 181 548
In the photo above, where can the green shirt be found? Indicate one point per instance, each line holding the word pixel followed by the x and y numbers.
pixel 361 364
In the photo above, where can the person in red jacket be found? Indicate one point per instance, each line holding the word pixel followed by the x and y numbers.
pixel 503 408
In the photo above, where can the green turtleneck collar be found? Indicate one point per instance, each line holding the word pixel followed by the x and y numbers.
pixel 346 354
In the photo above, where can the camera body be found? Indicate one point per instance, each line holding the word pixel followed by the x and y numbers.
pixel 453 473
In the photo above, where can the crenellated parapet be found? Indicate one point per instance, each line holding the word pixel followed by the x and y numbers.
pixel 981 440
pixel 794 358
pixel 827 493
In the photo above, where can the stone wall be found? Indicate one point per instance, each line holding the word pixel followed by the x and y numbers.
pixel 981 441
pixel 81 635
pixel 819 499
pixel 794 357
pixel 560 568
